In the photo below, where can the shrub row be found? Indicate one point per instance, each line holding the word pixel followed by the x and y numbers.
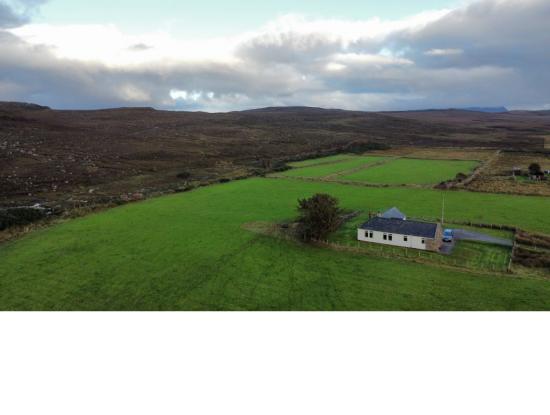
pixel 355 147
pixel 529 239
pixel 531 259
pixel 20 216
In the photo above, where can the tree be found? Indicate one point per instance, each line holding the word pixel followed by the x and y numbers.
pixel 534 169
pixel 319 217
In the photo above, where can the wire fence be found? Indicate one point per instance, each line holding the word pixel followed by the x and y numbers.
pixel 415 255
pixel 513 254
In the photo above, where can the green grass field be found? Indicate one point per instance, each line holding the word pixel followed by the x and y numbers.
pixel 329 159
pixel 327 169
pixel 190 252
pixel 480 256
pixel 413 171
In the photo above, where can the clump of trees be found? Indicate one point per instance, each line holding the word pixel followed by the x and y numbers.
pixel 359 147
pixel 535 169
pixel 320 215
pixel 266 166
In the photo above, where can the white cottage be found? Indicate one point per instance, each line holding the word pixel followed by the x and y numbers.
pixel 393 228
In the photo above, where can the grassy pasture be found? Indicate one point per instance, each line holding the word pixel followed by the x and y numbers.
pixel 328 169
pixel 413 171
pixel 322 160
pixel 190 252
pixel 481 256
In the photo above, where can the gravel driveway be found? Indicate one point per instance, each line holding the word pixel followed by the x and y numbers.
pixel 461 234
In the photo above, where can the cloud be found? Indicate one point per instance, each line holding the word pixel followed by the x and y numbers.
pixel 444 52
pixel 8 18
pixel 15 13
pixel 491 52
pixel 107 44
pixel 139 47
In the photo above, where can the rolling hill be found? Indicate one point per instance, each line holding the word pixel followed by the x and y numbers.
pixel 82 157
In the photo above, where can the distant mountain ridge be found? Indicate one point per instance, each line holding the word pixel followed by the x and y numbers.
pixel 9 105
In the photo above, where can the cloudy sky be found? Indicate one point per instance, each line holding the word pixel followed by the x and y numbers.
pixel 216 55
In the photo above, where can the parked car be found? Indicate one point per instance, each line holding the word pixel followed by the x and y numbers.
pixel 448 235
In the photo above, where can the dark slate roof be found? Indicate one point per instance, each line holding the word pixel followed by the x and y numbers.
pixel 394 213
pixel 402 227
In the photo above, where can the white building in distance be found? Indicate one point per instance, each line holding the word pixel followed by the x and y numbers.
pixel 393 228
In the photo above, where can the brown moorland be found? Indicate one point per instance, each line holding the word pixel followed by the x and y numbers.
pixel 87 157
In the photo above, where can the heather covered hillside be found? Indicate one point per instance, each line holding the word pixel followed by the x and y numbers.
pixel 90 156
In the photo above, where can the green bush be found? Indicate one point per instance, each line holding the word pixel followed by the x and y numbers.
pixel 19 216
pixel 319 217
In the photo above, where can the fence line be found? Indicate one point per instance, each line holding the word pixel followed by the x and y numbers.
pixel 512 255
pixel 412 255
pixel 473 224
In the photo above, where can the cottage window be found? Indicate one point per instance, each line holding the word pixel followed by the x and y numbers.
pixel 406 238
pixel 366 234
pixel 423 242
pixel 390 237
pixel 385 237
pixel 371 235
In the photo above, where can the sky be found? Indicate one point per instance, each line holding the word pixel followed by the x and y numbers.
pixel 219 17
pixel 215 55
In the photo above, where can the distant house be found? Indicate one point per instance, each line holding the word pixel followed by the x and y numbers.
pixel 393 213
pixel 393 228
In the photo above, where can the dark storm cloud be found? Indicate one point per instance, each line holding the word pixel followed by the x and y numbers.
pixel 493 52
pixel 507 40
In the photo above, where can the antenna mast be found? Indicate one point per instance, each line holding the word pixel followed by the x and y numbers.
pixel 443 211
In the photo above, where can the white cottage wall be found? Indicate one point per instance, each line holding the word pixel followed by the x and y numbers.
pixel 414 242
